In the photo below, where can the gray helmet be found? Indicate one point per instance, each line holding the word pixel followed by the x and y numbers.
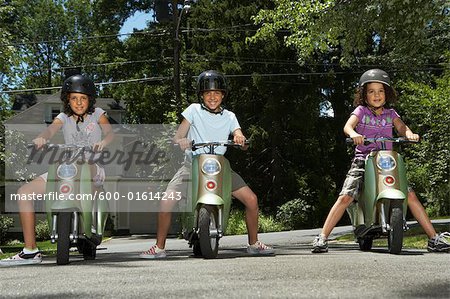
pixel 375 75
pixel 80 84
pixel 211 80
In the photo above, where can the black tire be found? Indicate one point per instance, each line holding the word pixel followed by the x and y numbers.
pixel 207 220
pixel 365 244
pixel 395 243
pixel 196 249
pixel 64 224
pixel 89 251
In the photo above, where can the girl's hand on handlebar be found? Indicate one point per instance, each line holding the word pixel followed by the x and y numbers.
pixel 39 142
pixel 184 143
pixel 357 139
pixel 411 136
pixel 99 146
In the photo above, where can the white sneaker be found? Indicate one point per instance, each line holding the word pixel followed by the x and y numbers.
pixel 260 248
pixel 153 253
pixel 22 259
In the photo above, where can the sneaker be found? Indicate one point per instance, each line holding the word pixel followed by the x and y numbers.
pixel 439 243
pixel 22 259
pixel 320 244
pixel 153 253
pixel 260 248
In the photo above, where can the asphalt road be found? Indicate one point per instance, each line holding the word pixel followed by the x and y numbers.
pixel 343 272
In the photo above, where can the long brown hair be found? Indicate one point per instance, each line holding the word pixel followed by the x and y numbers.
pixel 361 95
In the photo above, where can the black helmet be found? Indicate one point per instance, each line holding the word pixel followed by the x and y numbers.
pixel 211 80
pixel 80 84
pixel 375 75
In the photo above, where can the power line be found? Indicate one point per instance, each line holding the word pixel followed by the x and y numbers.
pixel 151 79
pixel 228 76
pixel 164 32
pixel 62 68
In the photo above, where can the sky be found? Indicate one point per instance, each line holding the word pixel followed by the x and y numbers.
pixel 138 21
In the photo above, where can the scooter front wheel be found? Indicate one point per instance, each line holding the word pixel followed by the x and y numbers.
pixel 396 231
pixel 207 222
pixel 63 243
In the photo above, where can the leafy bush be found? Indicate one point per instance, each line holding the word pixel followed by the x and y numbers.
pixel 294 214
pixel 236 224
pixel 267 224
pixel 5 224
pixel 42 231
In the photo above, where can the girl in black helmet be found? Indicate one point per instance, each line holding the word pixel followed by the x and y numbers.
pixel 370 119
pixel 82 124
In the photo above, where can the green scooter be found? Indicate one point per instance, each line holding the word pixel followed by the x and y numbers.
pixel 76 219
pixel 381 208
pixel 206 220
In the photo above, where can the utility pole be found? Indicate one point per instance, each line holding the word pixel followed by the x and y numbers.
pixel 177 46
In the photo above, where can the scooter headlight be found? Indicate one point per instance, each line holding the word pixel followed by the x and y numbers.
pixel 386 162
pixel 211 166
pixel 66 171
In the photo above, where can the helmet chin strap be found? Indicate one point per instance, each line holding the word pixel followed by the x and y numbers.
pixel 212 111
pixel 80 118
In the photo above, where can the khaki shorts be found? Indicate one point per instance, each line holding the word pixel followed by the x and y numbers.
pixel 180 181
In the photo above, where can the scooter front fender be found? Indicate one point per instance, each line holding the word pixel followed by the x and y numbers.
pixel 211 199
pixel 391 194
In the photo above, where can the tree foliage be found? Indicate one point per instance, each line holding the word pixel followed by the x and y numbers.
pixel 284 62
pixel 363 32
pixel 427 108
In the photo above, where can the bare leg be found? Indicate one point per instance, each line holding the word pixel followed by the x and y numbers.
pixel 249 199
pixel 336 213
pixel 164 220
pixel 26 210
pixel 420 215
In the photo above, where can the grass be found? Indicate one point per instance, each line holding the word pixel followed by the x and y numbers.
pixel 46 247
pixel 414 238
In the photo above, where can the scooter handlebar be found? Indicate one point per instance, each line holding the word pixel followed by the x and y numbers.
pixel 64 146
pixel 383 139
pixel 229 143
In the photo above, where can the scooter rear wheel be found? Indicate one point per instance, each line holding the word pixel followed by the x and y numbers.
pixel 365 244
pixel 207 221
pixel 396 232
pixel 196 249
pixel 63 243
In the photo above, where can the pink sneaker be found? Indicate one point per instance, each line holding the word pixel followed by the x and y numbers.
pixel 153 253
pixel 22 259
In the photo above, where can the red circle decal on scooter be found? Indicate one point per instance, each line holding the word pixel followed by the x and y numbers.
pixel 389 180
pixel 211 185
pixel 65 189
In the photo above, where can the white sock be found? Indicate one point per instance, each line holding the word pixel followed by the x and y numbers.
pixel 29 251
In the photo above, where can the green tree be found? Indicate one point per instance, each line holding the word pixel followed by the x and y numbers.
pixel 427 108
pixel 399 32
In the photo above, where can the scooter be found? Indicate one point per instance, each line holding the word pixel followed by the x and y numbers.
pixel 207 219
pixel 381 208
pixel 76 218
